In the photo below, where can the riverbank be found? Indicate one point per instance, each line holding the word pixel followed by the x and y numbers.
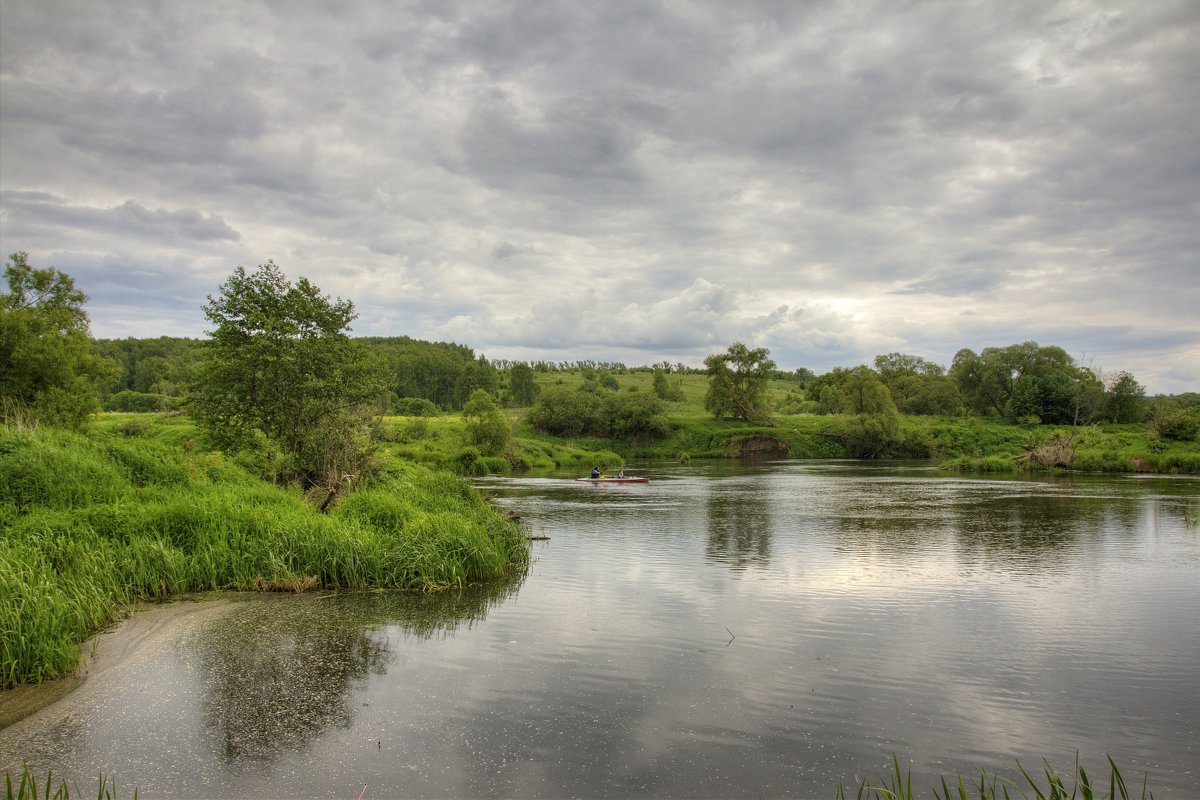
pixel 106 655
pixel 131 512
pixel 963 444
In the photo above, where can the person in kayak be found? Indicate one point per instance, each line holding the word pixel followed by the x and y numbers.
pixel 595 472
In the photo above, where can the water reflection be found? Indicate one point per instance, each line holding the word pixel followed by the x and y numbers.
pixel 959 621
pixel 739 526
pixel 279 673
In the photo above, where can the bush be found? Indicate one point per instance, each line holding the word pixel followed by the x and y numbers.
pixel 140 402
pixel 1180 425
pixel 625 415
pixel 414 407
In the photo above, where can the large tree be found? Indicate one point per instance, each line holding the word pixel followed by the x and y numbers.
pixel 282 375
pixel 737 383
pixel 1021 381
pixel 1124 399
pixel 49 366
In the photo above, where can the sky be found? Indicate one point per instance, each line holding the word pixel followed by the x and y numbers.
pixel 626 181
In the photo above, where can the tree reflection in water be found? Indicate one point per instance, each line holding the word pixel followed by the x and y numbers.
pixel 276 671
pixel 739 528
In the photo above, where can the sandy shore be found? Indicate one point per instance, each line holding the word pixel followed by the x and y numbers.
pixel 149 627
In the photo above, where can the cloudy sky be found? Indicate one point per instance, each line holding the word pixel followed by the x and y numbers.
pixel 627 181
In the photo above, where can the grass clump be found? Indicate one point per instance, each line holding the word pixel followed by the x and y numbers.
pixel 94 523
pixel 27 787
pixel 992 786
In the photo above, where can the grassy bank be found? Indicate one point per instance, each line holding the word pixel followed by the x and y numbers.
pixel 967 444
pixel 134 512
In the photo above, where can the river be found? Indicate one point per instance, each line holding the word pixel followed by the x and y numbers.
pixel 727 630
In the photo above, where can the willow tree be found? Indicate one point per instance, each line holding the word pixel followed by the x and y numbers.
pixel 737 383
pixel 282 379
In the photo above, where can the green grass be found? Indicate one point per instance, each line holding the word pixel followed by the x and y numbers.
pixel 1052 785
pixel 95 522
pixel 992 786
pixel 27 788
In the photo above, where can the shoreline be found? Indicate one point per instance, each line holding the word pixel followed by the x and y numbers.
pixel 120 645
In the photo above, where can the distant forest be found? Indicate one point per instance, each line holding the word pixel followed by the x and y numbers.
pixel 156 373
pixel 1015 382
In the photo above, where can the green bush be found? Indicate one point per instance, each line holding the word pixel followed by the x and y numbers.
pixel 131 401
pixel 1180 425
pixel 414 407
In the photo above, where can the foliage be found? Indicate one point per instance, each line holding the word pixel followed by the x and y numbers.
pixel 874 427
pixel 280 366
pixel 140 401
pixel 49 367
pixel 1124 399
pixel 487 426
pixel 443 373
pixel 96 522
pixel 1178 424
pixel 737 382
pixel 564 411
pixel 665 389
pixel 522 390
pixel 163 366
pixel 918 386
pixel 1027 381
pixel 414 407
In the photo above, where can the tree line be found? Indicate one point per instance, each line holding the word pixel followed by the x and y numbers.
pixel 280 376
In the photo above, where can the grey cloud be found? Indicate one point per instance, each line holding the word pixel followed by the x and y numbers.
pixel 566 148
pixel 518 175
pixel 40 209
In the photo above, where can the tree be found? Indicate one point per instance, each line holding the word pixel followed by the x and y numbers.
pixel 1021 381
pixel 737 383
pixel 876 423
pixel 1124 399
pixel 486 424
pixel 521 386
pixel 896 365
pixel 49 366
pixel 663 388
pixel 281 374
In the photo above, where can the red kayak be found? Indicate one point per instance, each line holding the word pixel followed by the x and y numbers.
pixel 603 479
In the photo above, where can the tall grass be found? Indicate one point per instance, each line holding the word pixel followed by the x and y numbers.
pixel 897 786
pixel 93 523
pixel 992 786
pixel 27 788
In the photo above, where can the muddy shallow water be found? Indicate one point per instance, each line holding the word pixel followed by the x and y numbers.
pixel 726 630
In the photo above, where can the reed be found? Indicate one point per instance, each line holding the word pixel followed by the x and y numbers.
pixel 992 786
pixel 27 787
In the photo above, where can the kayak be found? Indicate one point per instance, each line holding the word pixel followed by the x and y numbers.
pixel 603 479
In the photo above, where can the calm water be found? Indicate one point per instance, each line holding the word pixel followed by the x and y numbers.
pixel 726 630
